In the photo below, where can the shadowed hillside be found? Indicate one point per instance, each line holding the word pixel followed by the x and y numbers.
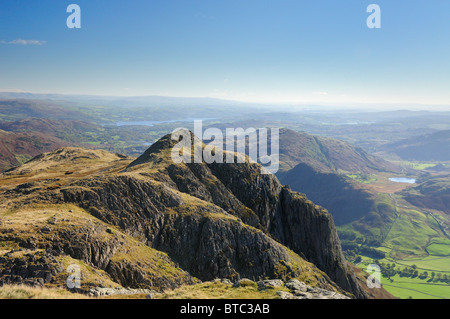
pixel 318 167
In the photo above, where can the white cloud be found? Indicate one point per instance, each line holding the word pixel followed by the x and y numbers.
pixel 320 93
pixel 2 42
pixel 24 42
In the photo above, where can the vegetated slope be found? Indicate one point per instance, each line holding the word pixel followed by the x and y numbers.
pixel 213 220
pixel 327 155
pixel 17 148
pixel 122 139
pixel 316 166
pixel 19 109
pixel 433 193
pixel 429 147
pixel 321 172
pixel 67 130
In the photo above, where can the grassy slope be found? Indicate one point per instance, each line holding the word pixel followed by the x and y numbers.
pixel 220 290
pixel 27 292
pixel 206 290
pixel 326 155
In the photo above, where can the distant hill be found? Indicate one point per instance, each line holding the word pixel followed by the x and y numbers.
pixel 321 169
pixel 433 193
pixel 45 126
pixel 17 148
pixel 327 155
pixel 151 100
pixel 19 109
pixel 68 130
pixel 317 166
pixel 429 147
pixel 23 139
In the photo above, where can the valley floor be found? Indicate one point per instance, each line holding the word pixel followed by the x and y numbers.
pixel 417 251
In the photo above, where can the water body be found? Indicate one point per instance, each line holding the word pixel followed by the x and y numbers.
pixel 403 180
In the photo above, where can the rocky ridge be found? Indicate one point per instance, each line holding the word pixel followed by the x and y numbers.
pixel 211 220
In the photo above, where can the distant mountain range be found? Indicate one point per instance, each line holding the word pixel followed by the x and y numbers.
pixel 125 100
pixel 110 110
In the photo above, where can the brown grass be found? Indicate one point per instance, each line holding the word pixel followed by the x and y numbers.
pixel 219 290
pixel 27 292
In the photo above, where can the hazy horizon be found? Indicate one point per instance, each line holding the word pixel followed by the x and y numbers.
pixel 372 107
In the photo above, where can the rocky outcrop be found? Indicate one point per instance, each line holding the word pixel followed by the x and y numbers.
pixel 100 292
pixel 105 256
pixel 211 220
pixel 29 267
pixel 198 236
pixel 201 237
pixel 299 290
pixel 310 230
pixel 290 218
pixel 221 248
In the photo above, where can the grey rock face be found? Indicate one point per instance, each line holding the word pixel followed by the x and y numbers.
pixel 34 268
pixel 205 246
pixel 271 283
pixel 211 248
pixel 297 286
pixel 310 231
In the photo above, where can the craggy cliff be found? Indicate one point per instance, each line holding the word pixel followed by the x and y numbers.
pixel 150 223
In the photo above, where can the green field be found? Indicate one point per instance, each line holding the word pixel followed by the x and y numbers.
pixel 415 287
pixel 415 165
pixel 404 287
pixel 439 249
pixel 363 178
pixel 430 263
pixel 411 234
pixel 417 253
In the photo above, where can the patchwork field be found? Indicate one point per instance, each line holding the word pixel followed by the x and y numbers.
pixel 413 248
pixel 417 289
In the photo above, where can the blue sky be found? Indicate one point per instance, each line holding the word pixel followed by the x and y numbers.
pixel 266 51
